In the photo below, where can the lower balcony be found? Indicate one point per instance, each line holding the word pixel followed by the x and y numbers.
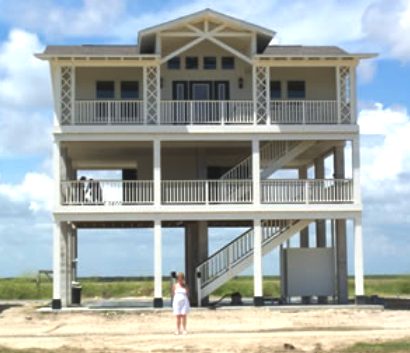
pixel 206 192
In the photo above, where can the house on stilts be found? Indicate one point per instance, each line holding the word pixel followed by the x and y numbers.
pixel 210 125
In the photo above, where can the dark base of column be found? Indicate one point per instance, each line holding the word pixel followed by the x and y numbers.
pixel 56 304
pixel 258 301
pixel 322 300
pixel 158 303
pixel 361 300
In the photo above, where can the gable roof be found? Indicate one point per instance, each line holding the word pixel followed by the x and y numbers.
pixel 206 13
pixel 146 37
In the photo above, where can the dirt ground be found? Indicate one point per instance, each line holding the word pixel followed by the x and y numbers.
pixel 222 330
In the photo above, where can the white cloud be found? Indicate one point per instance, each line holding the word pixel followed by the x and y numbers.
pixel 387 22
pixel 389 159
pixel 25 96
pixel 36 190
pixel 366 71
pixel 24 80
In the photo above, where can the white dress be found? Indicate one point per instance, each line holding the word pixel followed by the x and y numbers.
pixel 180 303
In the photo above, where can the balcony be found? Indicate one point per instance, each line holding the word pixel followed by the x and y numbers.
pixel 206 192
pixel 216 112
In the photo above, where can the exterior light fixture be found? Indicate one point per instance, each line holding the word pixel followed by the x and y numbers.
pixel 240 82
pixel 161 82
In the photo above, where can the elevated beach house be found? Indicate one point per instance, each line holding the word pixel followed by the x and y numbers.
pixel 211 126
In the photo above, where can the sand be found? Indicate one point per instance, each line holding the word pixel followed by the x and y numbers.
pixel 222 330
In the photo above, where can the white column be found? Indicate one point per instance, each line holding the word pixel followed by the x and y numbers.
pixel 157 172
pixel 56 174
pixel 257 263
pixel 157 264
pixel 144 94
pixel 358 257
pixel 56 304
pixel 267 78
pixel 256 172
pixel 353 108
pixel 254 94
pixel 356 169
pixel 339 117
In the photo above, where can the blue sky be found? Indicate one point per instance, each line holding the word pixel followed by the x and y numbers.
pixel 26 26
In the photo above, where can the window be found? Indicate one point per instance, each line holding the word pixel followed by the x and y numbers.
pixel 174 63
pixel 209 63
pixel 105 89
pixel 296 89
pixel 275 90
pixel 228 63
pixel 129 90
pixel 191 62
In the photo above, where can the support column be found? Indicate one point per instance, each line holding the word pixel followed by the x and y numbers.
pixel 358 259
pixel 158 302
pixel 196 251
pixel 341 241
pixel 304 233
pixel 356 169
pixel 256 172
pixel 257 263
pixel 320 224
pixel 157 172
pixel 61 286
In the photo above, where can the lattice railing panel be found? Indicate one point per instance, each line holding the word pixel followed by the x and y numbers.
pixel 66 95
pixel 261 86
pixel 345 100
pixel 152 91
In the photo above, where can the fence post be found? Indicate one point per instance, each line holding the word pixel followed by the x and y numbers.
pixel 198 288
pixel 307 191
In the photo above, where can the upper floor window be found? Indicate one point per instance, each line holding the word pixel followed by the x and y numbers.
pixel 174 63
pixel 275 90
pixel 209 62
pixel 228 63
pixel 105 89
pixel 296 89
pixel 191 62
pixel 129 90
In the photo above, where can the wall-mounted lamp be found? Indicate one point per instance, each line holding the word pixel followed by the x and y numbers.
pixel 161 82
pixel 240 82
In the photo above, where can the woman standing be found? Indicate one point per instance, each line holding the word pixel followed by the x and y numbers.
pixel 180 303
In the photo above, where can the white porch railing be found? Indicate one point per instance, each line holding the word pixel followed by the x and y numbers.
pixel 176 112
pixel 303 112
pixel 206 191
pixel 107 192
pixel 206 112
pixel 275 191
pixel 307 191
pixel 237 250
pixel 108 112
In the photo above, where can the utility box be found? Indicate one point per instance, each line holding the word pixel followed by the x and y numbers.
pixel 308 272
pixel 76 293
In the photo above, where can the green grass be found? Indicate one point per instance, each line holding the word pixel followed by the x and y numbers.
pixel 40 350
pixel 26 288
pixel 396 346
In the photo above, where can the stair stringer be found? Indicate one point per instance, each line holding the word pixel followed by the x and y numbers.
pixel 287 157
pixel 247 260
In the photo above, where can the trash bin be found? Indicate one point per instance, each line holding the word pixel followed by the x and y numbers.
pixel 76 293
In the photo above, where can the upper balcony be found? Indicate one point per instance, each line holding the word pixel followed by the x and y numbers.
pixel 241 95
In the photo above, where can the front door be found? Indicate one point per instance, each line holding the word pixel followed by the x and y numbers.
pixel 201 94
pixel 178 114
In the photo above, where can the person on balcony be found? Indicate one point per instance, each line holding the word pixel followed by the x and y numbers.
pixel 180 303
